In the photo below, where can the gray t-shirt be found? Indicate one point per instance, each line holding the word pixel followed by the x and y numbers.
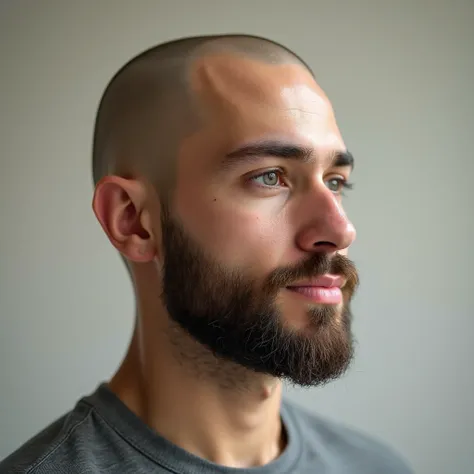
pixel 101 435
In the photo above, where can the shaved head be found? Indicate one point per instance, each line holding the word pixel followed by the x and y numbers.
pixel 219 172
pixel 149 105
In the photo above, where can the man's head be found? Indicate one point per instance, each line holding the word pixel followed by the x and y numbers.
pixel 218 163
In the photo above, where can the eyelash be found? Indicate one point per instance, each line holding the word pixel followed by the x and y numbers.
pixel 277 171
pixel 346 185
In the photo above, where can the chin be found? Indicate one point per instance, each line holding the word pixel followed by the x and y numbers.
pixel 307 316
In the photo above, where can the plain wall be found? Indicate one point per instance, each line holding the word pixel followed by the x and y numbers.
pixel 401 77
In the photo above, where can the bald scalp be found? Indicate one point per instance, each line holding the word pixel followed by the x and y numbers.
pixel 148 107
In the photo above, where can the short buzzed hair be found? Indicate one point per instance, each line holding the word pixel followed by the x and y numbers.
pixel 148 107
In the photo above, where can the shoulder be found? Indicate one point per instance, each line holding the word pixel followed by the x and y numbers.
pixel 45 452
pixel 344 445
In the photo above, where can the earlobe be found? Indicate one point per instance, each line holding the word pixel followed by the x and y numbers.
pixel 119 205
pixel 138 250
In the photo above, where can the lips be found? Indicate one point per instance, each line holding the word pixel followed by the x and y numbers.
pixel 325 289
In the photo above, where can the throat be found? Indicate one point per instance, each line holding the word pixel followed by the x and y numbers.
pixel 217 411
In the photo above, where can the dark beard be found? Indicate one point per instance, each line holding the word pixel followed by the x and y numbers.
pixel 238 320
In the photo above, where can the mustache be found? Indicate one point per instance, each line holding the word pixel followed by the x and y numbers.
pixel 317 265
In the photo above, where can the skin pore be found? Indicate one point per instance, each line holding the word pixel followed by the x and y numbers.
pixel 214 237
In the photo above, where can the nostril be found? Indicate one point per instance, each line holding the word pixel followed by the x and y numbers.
pixel 324 244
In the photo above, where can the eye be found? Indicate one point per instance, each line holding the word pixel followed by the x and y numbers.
pixel 269 179
pixel 338 184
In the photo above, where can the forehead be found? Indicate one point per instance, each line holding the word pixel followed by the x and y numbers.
pixel 243 99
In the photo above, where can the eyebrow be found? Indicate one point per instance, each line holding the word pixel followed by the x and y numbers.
pixel 252 152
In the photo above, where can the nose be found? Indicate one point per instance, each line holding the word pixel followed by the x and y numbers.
pixel 328 229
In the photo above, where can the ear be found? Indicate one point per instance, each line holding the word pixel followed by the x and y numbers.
pixel 119 205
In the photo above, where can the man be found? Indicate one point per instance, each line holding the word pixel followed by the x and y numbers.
pixel 219 172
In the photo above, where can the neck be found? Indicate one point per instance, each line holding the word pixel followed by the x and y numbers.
pixel 211 408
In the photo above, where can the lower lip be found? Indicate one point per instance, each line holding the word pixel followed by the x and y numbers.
pixel 319 294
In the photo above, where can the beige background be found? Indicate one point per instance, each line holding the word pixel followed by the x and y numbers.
pixel 401 77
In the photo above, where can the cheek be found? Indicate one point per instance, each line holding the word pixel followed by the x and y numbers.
pixel 234 235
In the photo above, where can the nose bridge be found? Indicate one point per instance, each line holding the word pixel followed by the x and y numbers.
pixel 331 210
